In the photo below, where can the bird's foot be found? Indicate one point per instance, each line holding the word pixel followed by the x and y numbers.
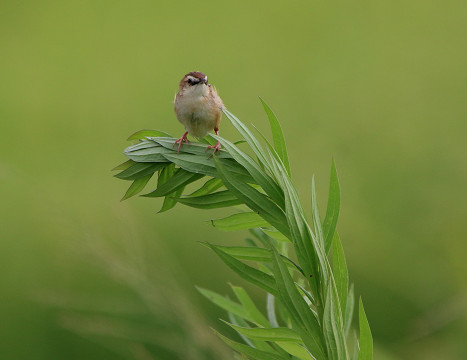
pixel 181 140
pixel 216 147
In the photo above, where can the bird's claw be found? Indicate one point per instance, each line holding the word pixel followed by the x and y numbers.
pixel 180 141
pixel 216 147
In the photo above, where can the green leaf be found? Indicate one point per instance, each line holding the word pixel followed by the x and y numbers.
pixel 315 214
pixel 215 200
pixel 141 145
pixel 255 200
pixel 333 327
pixel 250 306
pixel 139 170
pixel 199 164
pixel 277 136
pixel 147 151
pixel 340 272
pixel 191 148
pixel 306 293
pixel 209 186
pixel 142 134
pixel 268 334
pixel 203 165
pixel 309 253
pixel 355 346
pixel 295 349
pixel 226 304
pixel 163 177
pixel 249 137
pixel 252 353
pixel 255 254
pixel 302 317
pixel 270 306
pixel 276 235
pixel 332 211
pixel 300 233
pixel 123 166
pixel 247 272
pixel 366 340
pixel 247 253
pixel 165 174
pixel 260 345
pixel 137 186
pixel 180 179
pixel 171 200
pixel 261 178
pixel 240 221
pixel 349 309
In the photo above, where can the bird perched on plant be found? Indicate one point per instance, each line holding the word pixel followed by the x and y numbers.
pixel 198 107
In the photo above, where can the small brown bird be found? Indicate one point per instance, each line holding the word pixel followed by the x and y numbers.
pixel 198 107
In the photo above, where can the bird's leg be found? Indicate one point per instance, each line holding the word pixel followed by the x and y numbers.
pixel 216 147
pixel 181 140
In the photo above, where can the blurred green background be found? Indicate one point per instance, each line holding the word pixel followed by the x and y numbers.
pixel 380 86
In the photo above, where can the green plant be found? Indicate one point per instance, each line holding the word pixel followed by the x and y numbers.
pixel 309 301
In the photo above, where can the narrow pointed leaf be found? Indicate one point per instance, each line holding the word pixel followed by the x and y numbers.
pixel 123 166
pixel 261 178
pixel 315 214
pixel 300 234
pixel 137 186
pixel 209 186
pixel 142 145
pixel 277 136
pixel 247 253
pixel 250 306
pixel 163 177
pixel 193 148
pixel 260 345
pixel 255 200
pixel 295 349
pixel 332 210
pixel 202 164
pixel 142 134
pixel 349 309
pixel 165 174
pixel 248 136
pixel 180 179
pixel 250 352
pixel 147 151
pixel 303 319
pixel 333 327
pixel 355 347
pixel 215 200
pixel 198 164
pixel 256 254
pixel 254 276
pixel 240 221
pixel 340 272
pixel 171 199
pixel 139 170
pixel 270 306
pixel 226 304
pixel 366 339
pixel 268 334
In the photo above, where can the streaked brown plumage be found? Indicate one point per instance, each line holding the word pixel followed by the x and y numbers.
pixel 198 107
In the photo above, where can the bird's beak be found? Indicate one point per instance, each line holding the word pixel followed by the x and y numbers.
pixel 203 80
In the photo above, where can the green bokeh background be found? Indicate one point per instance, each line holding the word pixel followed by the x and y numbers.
pixel 379 86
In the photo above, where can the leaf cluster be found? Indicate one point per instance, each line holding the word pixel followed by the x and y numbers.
pixel 309 301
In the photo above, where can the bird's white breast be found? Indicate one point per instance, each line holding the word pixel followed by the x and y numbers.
pixel 194 110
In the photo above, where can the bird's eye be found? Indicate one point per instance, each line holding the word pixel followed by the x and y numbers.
pixel 189 81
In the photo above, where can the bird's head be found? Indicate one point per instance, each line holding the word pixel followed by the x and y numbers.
pixel 193 79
